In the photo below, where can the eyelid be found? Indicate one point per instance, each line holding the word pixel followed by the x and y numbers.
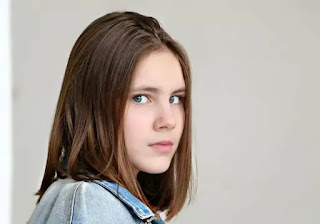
pixel 141 94
pixel 182 95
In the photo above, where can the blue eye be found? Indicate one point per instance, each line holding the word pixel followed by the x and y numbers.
pixel 177 101
pixel 140 98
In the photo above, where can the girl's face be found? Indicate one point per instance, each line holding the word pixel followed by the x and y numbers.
pixel 154 112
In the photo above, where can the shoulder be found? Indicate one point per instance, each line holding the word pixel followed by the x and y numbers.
pixel 70 201
pixel 94 203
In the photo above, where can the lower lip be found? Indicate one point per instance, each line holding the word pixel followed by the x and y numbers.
pixel 162 148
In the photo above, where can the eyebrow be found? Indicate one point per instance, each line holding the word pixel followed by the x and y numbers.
pixel 156 90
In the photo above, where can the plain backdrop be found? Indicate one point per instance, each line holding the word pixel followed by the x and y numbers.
pixel 5 112
pixel 256 104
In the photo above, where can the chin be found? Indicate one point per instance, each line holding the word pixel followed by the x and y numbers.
pixel 156 168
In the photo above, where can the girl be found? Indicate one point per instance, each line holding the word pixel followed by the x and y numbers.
pixel 120 144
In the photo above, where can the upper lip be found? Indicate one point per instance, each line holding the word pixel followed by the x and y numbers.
pixel 164 142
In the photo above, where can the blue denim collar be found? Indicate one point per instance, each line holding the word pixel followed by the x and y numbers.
pixel 139 208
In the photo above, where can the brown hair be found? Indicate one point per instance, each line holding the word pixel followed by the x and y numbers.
pixel 86 140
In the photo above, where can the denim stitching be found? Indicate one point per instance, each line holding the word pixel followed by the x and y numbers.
pixel 139 212
pixel 73 203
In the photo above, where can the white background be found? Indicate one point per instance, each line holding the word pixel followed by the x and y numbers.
pixel 256 101
pixel 5 113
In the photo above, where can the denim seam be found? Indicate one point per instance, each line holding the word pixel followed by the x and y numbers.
pixel 73 200
pixel 138 211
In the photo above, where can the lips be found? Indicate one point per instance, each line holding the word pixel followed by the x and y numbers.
pixel 162 146
pixel 164 142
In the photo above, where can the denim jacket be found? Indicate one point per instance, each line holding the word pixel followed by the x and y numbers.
pixel 68 201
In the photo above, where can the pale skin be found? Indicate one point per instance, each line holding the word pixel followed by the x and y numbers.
pixel 156 113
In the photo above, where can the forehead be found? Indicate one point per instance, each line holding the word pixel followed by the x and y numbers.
pixel 161 69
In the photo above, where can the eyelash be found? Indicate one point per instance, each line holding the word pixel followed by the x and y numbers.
pixel 181 97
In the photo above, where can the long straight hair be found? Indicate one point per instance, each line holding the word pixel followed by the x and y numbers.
pixel 86 140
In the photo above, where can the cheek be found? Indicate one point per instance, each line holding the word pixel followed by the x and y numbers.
pixel 136 127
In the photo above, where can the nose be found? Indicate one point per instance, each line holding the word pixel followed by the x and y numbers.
pixel 165 118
